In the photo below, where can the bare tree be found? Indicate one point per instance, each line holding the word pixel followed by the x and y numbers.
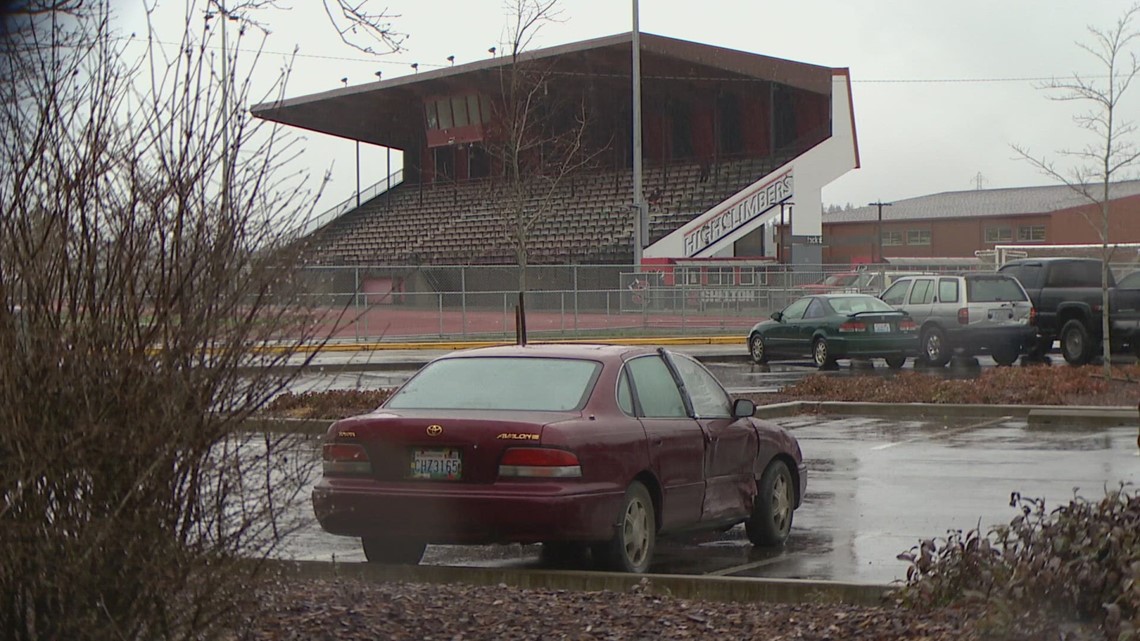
pixel 539 134
pixel 362 29
pixel 1094 166
pixel 144 252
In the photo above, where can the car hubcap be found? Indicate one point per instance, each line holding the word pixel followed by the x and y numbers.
pixel 781 503
pixel 1074 343
pixel 635 532
pixel 820 353
pixel 757 348
pixel 933 347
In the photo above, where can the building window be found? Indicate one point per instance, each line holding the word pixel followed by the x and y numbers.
pixel 1031 233
pixel 892 238
pixel 999 234
pixel 918 237
pixel 722 276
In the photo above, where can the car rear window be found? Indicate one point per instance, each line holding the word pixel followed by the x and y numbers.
pixel 857 304
pixel 499 383
pixel 993 289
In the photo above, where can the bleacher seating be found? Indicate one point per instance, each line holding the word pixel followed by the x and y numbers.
pixel 588 218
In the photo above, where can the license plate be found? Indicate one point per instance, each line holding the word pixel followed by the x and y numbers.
pixel 1001 315
pixel 436 464
pixel 882 327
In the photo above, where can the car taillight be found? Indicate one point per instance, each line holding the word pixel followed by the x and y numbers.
pixel 1032 315
pixel 539 462
pixel 852 326
pixel 345 458
pixel 907 325
pixel 964 316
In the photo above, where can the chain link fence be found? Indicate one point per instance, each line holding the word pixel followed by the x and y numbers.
pixel 573 301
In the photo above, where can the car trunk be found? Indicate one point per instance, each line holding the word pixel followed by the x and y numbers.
pixel 876 323
pixel 448 446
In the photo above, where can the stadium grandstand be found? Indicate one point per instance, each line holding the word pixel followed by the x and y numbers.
pixel 732 142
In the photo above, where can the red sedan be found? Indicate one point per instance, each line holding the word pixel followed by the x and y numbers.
pixel 579 447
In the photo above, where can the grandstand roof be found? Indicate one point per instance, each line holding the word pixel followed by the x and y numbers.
pixel 390 112
pixel 981 203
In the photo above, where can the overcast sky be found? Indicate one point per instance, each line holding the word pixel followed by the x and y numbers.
pixel 941 89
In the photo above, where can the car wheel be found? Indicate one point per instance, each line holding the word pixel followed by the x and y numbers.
pixel 895 362
pixel 935 351
pixel 393 551
pixel 631 548
pixel 1039 348
pixel 757 349
pixel 1076 345
pixel 1005 356
pixel 821 354
pixel 771 518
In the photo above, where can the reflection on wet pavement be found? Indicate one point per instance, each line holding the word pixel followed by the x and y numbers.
pixel 877 486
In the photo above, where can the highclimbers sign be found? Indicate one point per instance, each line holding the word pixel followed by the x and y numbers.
pixel 752 203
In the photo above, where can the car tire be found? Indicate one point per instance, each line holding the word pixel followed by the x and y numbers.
pixel 393 551
pixel 772 510
pixel 635 535
pixel 757 349
pixel 821 354
pixel 1005 356
pixel 935 350
pixel 1039 348
pixel 895 362
pixel 1076 344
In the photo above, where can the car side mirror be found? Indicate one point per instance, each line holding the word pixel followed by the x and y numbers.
pixel 777 316
pixel 743 407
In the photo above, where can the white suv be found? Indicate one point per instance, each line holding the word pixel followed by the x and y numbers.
pixel 970 314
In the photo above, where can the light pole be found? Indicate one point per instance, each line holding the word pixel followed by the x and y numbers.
pixel 639 221
pixel 345 81
pixel 879 227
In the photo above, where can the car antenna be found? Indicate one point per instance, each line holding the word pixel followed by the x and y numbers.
pixel 520 322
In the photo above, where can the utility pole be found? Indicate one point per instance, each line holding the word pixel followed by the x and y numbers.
pixel 879 227
pixel 344 81
pixel 227 170
pixel 638 205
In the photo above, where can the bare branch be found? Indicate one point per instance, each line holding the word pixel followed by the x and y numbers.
pixel 362 30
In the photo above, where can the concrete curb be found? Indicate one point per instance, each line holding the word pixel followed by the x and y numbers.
pixel 734 589
pixel 1034 414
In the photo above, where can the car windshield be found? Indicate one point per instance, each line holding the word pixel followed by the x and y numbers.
pixel 499 383
pixel 840 280
pixel 863 280
pixel 857 304
pixel 993 289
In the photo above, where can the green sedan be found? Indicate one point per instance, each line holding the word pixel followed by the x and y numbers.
pixel 828 327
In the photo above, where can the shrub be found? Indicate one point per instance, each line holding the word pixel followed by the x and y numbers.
pixel 1003 385
pixel 1079 561
pixel 327 404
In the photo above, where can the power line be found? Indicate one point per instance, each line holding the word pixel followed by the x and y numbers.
pixel 374 61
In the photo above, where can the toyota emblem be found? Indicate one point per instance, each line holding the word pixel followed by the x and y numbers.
pixel 434 430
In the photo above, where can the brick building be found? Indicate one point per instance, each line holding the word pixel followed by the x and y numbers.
pixel 956 224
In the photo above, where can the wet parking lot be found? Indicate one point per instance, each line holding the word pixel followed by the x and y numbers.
pixel 876 487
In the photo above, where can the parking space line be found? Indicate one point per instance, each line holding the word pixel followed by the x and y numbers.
pixel 751 566
pixel 993 421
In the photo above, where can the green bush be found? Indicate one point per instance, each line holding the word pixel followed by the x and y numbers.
pixel 1078 562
